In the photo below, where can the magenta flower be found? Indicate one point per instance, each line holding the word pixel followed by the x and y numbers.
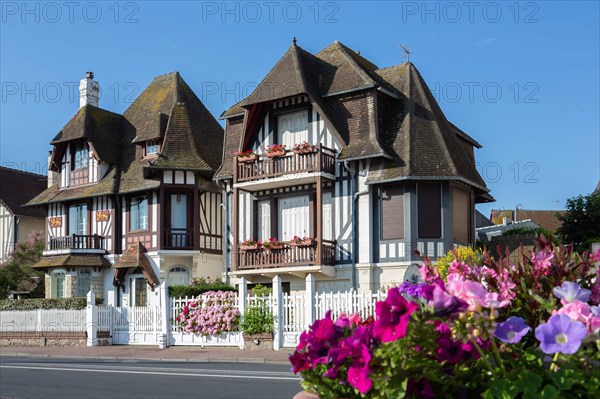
pixel 560 334
pixel 570 291
pixel 392 317
pixel 512 330
pixel 445 304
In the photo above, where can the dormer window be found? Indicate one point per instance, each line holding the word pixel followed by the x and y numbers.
pixel 80 155
pixel 151 147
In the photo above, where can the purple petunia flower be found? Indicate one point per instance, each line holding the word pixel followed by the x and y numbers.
pixel 560 334
pixel 570 291
pixel 512 330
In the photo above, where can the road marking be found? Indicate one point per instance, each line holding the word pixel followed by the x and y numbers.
pixel 162 369
pixel 248 377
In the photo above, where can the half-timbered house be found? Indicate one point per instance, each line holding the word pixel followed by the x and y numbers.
pixel 371 171
pixel 130 186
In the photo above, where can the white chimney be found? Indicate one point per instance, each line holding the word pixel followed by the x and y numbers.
pixel 89 91
pixel 52 176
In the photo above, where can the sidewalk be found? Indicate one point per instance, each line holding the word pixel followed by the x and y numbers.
pixel 175 353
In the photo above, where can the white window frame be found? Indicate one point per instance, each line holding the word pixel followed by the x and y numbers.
pixel 56 276
pixel 138 213
pixel 178 269
pixel 80 155
pixel 151 147
pixel 295 137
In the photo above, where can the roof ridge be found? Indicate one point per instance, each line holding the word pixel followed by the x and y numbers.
pixel 355 65
pixel 23 171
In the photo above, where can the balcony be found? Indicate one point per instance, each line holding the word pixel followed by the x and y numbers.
pixel 296 260
pixel 76 243
pixel 265 173
pixel 178 239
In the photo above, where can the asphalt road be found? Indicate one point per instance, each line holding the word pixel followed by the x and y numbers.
pixel 49 378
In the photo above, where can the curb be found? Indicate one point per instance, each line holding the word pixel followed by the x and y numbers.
pixel 202 359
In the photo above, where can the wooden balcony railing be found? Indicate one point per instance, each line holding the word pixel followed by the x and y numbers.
pixel 287 257
pixel 322 160
pixel 178 239
pixel 76 241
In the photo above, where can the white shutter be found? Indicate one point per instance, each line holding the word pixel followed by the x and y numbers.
pixel 264 220
pixel 292 128
pixel 327 217
pixel 294 217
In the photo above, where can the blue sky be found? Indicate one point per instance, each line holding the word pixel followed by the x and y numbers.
pixel 522 78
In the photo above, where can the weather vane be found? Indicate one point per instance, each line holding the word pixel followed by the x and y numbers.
pixel 406 50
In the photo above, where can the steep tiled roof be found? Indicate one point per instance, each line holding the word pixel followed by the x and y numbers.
pixel 388 114
pixel 135 257
pixel 179 146
pixel 424 143
pixel 546 219
pixel 18 188
pixel 101 127
pixel 167 107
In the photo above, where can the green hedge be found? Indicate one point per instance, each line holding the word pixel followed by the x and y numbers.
pixel 199 287
pixel 43 303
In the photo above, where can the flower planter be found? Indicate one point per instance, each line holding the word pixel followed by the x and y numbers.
pixel 247 158
pixel 275 247
pixel 307 242
pixel 258 342
pixel 305 151
pixel 249 247
pixel 275 154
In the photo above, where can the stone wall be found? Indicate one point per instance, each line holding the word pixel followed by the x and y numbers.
pixel 57 338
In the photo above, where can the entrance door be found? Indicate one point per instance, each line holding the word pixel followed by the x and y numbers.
pixel 294 217
pixel 179 232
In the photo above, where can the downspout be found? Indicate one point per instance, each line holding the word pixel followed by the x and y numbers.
pixel 355 196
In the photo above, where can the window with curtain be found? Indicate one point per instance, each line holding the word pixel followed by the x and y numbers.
pixel 78 219
pixel 80 154
pixel 429 203
pixel 138 213
pixel 140 291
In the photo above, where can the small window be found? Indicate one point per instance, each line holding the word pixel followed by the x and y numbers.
pixel 58 283
pixel 80 154
pixel 84 283
pixel 178 276
pixel 151 147
pixel 139 213
pixel 140 289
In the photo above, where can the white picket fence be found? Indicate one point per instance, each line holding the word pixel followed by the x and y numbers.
pixel 42 320
pixel 146 325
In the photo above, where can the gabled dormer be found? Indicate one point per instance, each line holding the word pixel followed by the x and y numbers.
pixel 88 146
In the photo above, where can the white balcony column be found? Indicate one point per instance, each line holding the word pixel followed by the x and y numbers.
pixel 277 313
pixel 91 319
pixel 309 302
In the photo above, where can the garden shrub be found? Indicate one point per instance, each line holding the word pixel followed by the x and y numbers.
pixel 43 303
pixel 212 313
pixel 199 287
pixel 462 254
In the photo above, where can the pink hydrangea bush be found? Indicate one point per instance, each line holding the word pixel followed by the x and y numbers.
pixel 211 313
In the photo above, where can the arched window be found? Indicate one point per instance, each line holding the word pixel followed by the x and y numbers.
pixel 84 283
pixel 178 275
pixel 58 284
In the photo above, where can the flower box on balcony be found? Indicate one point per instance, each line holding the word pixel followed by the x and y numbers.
pixel 275 247
pixel 304 148
pixel 275 154
pixel 254 247
pixel 302 242
pixel 247 158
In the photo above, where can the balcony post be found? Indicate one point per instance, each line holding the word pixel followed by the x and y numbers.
pixel 319 230
pixel 235 222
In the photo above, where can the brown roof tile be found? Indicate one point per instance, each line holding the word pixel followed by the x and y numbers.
pixel 72 261
pixel 135 257
pixel 29 186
